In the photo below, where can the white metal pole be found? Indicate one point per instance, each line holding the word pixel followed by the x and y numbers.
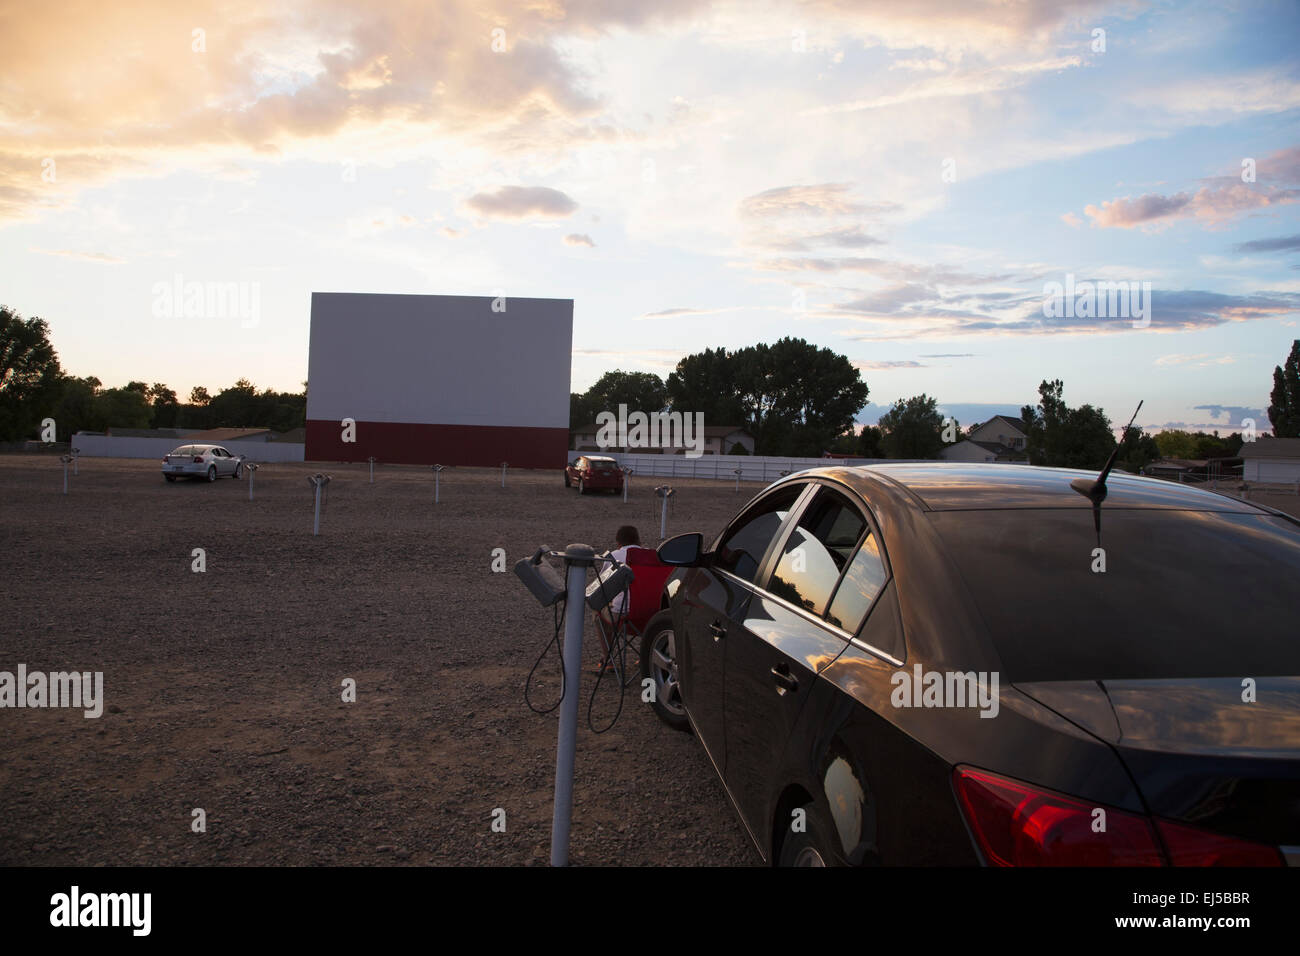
pixel 315 530
pixel 504 465
pixel 76 453
pixel 372 470
pixel 577 557
pixel 65 474
pixel 252 470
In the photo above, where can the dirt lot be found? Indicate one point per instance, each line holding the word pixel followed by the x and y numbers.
pixel 223 688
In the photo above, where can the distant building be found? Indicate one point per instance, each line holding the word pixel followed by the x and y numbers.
pixel 986 451
pixel 1000 439
pixel 1002 430
pixel 1271 460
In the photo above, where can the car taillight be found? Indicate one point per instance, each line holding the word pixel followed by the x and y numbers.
pixel 198 459
pixel 1189 846
pixel 1016 824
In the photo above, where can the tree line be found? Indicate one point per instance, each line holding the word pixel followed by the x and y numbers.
pixel 33 387
pixel 796 399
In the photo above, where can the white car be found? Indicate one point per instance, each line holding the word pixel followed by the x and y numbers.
pixel 202 461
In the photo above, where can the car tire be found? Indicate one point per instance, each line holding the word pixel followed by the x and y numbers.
pixel 809 848
pixel 212 472
pixel 567 482
pixel 169 478
pixel 239 470
pixel 658 649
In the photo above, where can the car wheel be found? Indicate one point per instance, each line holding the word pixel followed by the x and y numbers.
pixel 212 472
pixel 169 478
pixel 809 847
pixel 239 470
pixel 659 664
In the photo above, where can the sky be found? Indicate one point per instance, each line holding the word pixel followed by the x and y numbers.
pixel 907 183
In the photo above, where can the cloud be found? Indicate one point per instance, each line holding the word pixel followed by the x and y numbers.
pixel 1279 244
pixel 825 199
pixel 522 202
pixel 450 233
pixel 1214 205
pixel 950 355
pixel 849 237
pixel 1223 198
pixel 1200 360
pixel 870 366
pixel 884 268
pixel 893 316
pixel 579 239
pixel 1234 413
pixel 100 257
pixel 1071 220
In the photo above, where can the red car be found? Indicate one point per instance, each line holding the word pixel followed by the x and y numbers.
pixel 591 472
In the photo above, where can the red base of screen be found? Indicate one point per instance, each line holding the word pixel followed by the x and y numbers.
pixel 408 443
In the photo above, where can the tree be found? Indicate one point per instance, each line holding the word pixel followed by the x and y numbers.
pixel 1176 443
pixel 30 377
pixel 1284 402
pixel 794 397
pixel 871 442
pixel 75 410
pixel 122 408
pixel 1139 450
pixel 912 428
pixel 1065 437
pixel 199 395
pixel 639 391
pixel 705 382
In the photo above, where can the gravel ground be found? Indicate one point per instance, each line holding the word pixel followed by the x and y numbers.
pixel 222 689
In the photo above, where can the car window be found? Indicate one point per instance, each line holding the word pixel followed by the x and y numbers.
pixel 858 588
pixel 1180 595
pixel 747 540
pixel 817 551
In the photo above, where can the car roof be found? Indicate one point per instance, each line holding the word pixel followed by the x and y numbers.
pixel 979 486
pixel 598 458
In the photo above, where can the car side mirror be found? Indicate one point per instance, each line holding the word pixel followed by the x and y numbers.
pixel 683 550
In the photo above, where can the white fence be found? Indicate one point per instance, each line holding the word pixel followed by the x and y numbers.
pixel 108 446
pixel 752 467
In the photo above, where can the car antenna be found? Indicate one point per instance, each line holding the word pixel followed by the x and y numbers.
pixel 1094 489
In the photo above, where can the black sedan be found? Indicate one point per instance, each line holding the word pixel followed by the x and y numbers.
pixel 979 664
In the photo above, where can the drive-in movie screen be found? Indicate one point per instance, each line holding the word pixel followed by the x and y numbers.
pixel 444 443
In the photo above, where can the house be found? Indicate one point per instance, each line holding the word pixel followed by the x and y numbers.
pixel 1271 460
pixel 1000 439
pixel 716 440
pixel 985 451
pixel 1002 430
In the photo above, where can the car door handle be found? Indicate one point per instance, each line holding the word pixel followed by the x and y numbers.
pixel 717 630
pixel 785 681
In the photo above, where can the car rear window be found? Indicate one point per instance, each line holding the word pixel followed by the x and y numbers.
pixel 603 466
pixel 1184 594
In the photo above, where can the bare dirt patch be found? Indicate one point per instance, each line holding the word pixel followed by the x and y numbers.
pixel 222 689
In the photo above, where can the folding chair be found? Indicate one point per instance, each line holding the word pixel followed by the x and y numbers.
pixel 650 576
